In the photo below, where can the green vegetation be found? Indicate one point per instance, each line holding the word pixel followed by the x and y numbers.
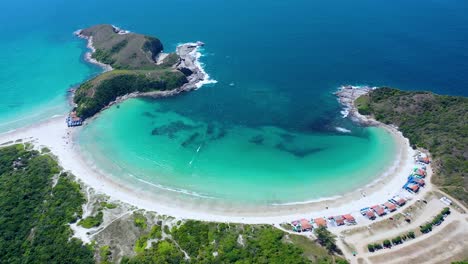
pixel 362 104
pixel 45 150
pixel 96 94
pixel 108 205
pixel 156 232
pixel 141 244
pixel 397 240
pixel 104 254
pixel 139 220
pixel 438 219
pixel 386 243
pixel 162 252
pixel 35 217
pixel 394 241
pixel 435 122
pixel 326 239
pixel 34 214
pixel 91 221
pixel 225 243
pixel 103 56
pixel 312 251
pixel 133 58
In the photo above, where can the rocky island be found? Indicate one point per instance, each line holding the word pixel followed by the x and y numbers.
pixel 134 65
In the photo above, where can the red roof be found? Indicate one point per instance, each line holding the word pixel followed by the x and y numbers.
pixel 370 214
pixel 414 187
pixel 349 218
pixel 391 207
pixel 339 220
pixel 320 222
pixel 378 209
pixel 305 224
pixel 401 201
pixel 420 181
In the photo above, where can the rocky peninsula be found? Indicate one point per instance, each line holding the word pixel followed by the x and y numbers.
pixel 347 96
pixel 134 66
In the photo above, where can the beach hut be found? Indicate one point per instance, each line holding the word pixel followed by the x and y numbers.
pixel 420 182
pixel 320 222
pixel 412 187
pixel 398 201
pixel 379 210
pixel 364 210
pixel 370 214
pixel 424 160
pixel 349 219
pixel 390 207
pixel 339 220
pixel 420 172
pixel 305 225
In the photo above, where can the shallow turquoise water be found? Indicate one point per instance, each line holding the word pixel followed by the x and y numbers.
pixel 35 74
pixel 237 163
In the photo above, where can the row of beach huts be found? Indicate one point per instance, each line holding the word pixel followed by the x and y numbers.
pixel 414 183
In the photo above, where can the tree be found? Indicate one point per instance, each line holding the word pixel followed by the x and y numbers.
pixel 386 243
pixel 327 239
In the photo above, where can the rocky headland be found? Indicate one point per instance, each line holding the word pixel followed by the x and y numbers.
pixel 347 96
pixel 135 66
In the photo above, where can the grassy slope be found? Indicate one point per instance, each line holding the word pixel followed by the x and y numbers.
pixel 435 122
pixel 133 56
pixel 220 243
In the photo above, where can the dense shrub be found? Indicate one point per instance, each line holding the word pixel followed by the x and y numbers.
pixel 34 214
pixel 434 122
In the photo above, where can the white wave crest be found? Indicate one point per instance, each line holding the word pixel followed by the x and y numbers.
pixel 342 130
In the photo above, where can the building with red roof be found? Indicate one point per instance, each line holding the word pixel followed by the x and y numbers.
pixel 401 202
pixel 349 219
pixel 305 225
pixel 421 182
pixel 379 210
pixel 339 220
pixel 391 207
pixel 320 222
pixel 370 214
pixel 413 188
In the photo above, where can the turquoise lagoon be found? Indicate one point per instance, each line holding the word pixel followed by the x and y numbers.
pixel 160 151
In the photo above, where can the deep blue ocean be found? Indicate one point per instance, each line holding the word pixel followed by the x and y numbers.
pixel 276 62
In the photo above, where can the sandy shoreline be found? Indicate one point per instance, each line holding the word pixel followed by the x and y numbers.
pixel 59 138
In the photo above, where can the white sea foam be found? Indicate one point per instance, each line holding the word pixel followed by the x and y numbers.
pixel 343 130
pixel 309 201
pixel 345 112
pixel 183 191
pixel 197 54
pixel 206 79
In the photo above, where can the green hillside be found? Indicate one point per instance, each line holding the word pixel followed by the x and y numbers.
pixel 133 57
pixel 438 123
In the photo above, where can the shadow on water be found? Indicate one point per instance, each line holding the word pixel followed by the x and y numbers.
pixel 257 140
pixel 192 141
pixel 172 129
pixel 297 152
pixel 148 114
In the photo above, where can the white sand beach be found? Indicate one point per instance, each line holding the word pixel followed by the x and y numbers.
pixel 55 135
